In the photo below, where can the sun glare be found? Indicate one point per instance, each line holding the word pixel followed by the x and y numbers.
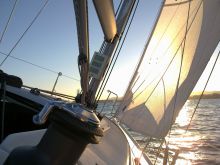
pixel 183 118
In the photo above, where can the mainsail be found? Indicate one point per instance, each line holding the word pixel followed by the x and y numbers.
pixel 181 44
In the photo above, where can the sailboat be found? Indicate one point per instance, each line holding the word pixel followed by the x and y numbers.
pixel 181 43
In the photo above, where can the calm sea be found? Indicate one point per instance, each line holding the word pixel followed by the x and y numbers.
pixel 199 145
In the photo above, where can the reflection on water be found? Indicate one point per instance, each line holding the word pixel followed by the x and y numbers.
pixel 199 145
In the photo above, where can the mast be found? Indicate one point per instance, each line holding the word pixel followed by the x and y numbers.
pixel 110 47
pixel 81 14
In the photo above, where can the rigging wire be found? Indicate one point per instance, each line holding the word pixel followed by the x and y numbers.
pixel 196 107
pixel 119 6
pixel 172 58
pixel 35 18
pixel 105 43
pixel 169 63
pixel 133 99
pixel 9 19
pixel 175 54
pixel 101 51
pixel 9 54
pixel 203 89
pixel 200 95
pixel 41 67
pixel 181 42
pixel 49 92
pixel 115 57
pixel 132 82
pixel 181 64
pixel 194 111
pixel 164 52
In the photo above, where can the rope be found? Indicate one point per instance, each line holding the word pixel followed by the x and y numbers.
pixel 24 32
pixel 9 19
pixel 41 67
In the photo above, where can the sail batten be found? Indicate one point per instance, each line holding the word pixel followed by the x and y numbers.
pixel 177 53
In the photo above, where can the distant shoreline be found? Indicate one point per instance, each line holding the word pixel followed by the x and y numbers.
pixel 194 95
pixel 206 95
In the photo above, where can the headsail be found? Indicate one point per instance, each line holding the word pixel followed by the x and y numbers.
pixel 183 40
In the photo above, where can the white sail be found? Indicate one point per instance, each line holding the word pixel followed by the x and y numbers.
pixel 183 40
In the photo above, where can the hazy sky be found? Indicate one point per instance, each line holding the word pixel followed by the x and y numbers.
pixel 52 43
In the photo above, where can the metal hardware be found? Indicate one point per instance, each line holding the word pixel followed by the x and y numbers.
pixel 58 75
pixel 113 107
pixel 76 110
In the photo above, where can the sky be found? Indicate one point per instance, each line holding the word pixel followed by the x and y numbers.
pixel 51 42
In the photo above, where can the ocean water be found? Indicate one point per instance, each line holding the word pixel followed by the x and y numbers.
pixel 199 145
